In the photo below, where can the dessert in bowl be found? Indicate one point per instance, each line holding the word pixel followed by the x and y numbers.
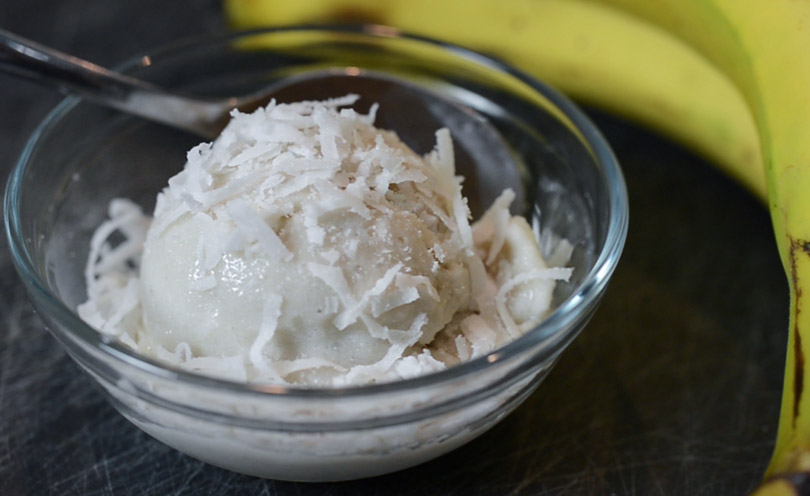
pixel 570 193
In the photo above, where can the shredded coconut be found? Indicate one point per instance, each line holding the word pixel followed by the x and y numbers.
pixel 305 246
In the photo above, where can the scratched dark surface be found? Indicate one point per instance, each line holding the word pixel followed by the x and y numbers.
pixel 671 390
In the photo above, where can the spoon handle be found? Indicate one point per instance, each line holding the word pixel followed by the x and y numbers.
pixel 26 58
pixel 22 57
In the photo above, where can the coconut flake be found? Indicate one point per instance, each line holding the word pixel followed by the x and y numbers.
pixel 128 302
pixel 350 315
pixel 413 366
pixel 267 328
pixel 394 299
pixel 553 273
pixel 254 228
pixel 479 334
pixel 127 218
pixel 494 224
pixel 405 281
pixel 334 278
pixel 253 153
pixel 561 254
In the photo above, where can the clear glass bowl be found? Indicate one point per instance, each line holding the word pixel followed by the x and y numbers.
pixel 82 156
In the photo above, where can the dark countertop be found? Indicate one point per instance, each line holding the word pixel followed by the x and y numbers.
pixel 673 388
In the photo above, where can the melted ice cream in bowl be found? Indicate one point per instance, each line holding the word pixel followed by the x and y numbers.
pixel 325 291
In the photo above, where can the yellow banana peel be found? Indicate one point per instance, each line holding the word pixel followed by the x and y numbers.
pixel 777 487
pixel 764 48
pixel 595 54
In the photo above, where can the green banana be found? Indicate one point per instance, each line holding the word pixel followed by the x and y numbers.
pixel 595 54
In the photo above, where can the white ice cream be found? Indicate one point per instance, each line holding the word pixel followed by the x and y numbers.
pixel 306 246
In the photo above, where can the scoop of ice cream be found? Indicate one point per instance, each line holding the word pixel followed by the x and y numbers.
pixel 306 246
pixel 303 232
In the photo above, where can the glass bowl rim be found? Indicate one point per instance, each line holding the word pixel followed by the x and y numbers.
pixel 561 318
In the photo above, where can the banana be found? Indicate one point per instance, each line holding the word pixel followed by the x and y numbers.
pixel 594 53
pixel 763 48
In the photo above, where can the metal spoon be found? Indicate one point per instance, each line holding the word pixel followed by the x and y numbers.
pixel 414 113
